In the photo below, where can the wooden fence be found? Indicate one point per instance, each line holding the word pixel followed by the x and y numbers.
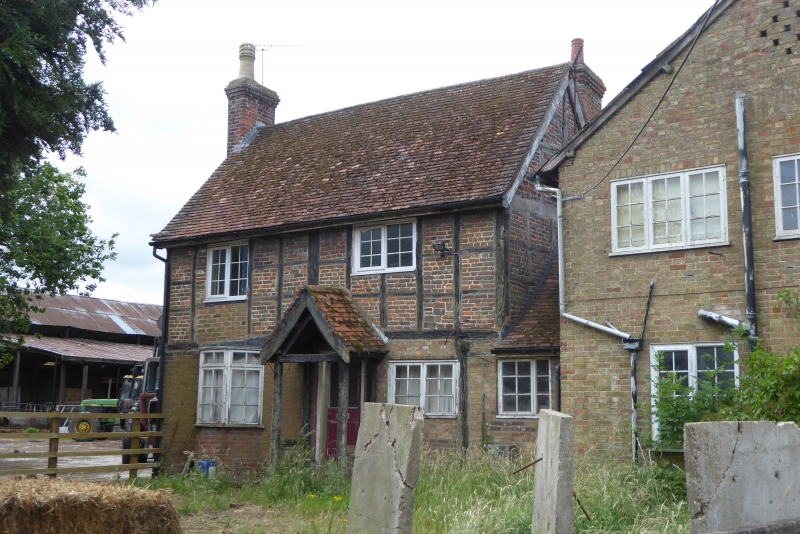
pixel 53 454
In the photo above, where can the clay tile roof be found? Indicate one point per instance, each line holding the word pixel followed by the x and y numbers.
pixel 450 145
pixel 540 324
pixel 340 316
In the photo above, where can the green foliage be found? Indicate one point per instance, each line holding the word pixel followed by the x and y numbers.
pixel 46 247
pixel 31 430
pixel 474 493
pixel 677 404
pixel 769 389
pixel 44 102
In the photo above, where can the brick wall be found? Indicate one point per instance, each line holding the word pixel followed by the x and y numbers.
pixel 694 127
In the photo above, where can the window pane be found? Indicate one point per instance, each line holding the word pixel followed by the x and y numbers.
pixel 624 237
pixel 524 403
pixel 696 185
pixel 236 414
pixel 509 403
pixel 509 385
pixel 705 206
pixel 659 189
pixel 238 282
pixel 623 216
pixel 239 357
pixel 524 384
pixel 788 171
pixel 681 360
pixel 674 187
pixel 508 368
pixel 370 248
pixel 217 279
pixel 630 215
pixel 399 245
pixel 790 218
pixel 543 402
pixel 712 183
pixel 713 228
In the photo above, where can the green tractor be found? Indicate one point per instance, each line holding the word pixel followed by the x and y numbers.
pixel 128 394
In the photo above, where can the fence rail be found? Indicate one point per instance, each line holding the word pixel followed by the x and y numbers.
pixel 54 436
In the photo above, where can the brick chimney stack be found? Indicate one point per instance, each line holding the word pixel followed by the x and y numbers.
pixel 577 47
pixel 249 102
pixel 590 86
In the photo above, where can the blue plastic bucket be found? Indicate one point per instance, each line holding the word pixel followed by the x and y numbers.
pixel 206 465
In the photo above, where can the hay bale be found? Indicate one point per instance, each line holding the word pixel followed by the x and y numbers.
pixel 45 506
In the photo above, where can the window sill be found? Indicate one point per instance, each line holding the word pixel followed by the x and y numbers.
pixel 515 416
pixel 786 237
pixel 232 426
pixel 668 250
pixel 225 300
pixel 453 416
pixel 385 271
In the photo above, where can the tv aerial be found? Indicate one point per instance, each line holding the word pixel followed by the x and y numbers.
pixel 267 47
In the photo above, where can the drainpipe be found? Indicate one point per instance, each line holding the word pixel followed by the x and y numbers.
pixel 717 318
pixel 561 301
pixel 747 223
pixel 162 343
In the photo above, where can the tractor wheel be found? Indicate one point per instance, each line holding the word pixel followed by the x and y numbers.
pixel 83 426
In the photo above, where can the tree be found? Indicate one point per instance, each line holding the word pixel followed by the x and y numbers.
pixel 45 247
pixel 45 105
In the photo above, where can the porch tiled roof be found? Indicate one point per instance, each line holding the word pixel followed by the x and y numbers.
pixel 450 145
pixel 340 316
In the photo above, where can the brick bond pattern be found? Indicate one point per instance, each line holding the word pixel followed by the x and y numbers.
pixel 694 127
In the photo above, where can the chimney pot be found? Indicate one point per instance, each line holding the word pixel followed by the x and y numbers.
pixel 247 61
pixel 576 56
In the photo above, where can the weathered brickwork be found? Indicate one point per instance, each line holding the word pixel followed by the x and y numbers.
pixel 694 127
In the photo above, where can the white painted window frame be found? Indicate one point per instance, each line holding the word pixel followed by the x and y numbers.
pixel 357 270
pixel 227 368
pixel 209 257
pixel 534 413
pixel 423 384
pixel 780 233
pixel 692 349
pixel 686 242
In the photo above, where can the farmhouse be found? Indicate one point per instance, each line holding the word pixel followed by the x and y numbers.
pixel 703 205
pixel 393 251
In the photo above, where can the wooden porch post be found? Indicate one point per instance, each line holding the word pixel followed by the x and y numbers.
pixel 323 399
pixel 62 390
pixel 275 438
pixel 305 400
pixel 85 382
pixel 15 379
pixel 341 420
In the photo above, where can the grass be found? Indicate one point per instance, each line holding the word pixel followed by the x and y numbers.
pixel 476 493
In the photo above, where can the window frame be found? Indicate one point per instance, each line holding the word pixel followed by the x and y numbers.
pixel 780 233
pixel 686 239
pixel 534 413
pixel 423 384
pixel 692 371
pixel 209 258
pixel 227 368
pixel 358 270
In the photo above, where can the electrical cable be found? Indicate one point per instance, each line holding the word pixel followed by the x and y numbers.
pixel 666 91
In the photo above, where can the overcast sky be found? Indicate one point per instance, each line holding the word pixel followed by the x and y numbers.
pixel 165 84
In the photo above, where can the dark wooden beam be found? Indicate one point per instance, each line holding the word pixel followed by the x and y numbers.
pixel 341 417
pixel 313 257
pixel 279 283
pixel 297 331
pixel 275 437
pixel 305 403
pixel 308 358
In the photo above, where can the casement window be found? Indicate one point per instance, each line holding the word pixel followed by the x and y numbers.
pixel 228 267
pixel 431 385
pixel 384 248
pixel 786 177
pixel 523 387
pixel 230 388
pixel 667 211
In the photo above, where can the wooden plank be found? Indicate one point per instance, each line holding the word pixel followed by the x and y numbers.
pixel 70 454
pixel 70 470
pixel 307 358
pixel 275 433
pixel 342 416
pixel 52 461
pixel 305 403
pixel 323 398
pixel 89 435
pixel 74 415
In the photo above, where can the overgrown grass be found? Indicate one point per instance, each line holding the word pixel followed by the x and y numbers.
pixel 475 493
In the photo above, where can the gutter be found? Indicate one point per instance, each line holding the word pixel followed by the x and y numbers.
pixel 162 343
pixel 561 299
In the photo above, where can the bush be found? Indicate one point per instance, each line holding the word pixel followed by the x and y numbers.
pixel 31 430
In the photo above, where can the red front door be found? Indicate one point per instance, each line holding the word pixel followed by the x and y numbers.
pixel 354 406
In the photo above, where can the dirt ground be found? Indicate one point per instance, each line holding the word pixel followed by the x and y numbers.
pixel 247 519
pixel 41 445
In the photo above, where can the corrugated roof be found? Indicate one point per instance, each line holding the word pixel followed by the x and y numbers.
pixel 99 315
pixel 456 144
pixel 90 350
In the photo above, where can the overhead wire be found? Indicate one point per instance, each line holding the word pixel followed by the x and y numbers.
pixel 658 104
